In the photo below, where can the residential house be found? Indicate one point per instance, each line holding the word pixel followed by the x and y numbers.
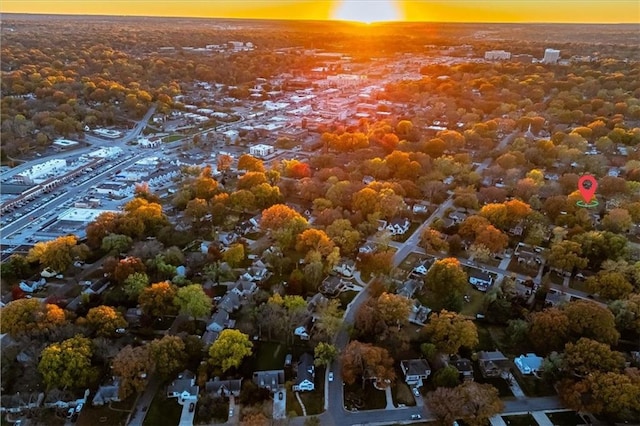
pixel 184 387
pixel 332 285
pixel 345 267
pixel 244 288
pixel 256 272
pixel 303 331
pixel 415 371
pixel 528 258
pixel 398 226
pixel 480 279
pixel 230 302
pixel 457 217
pixel 420 209
pixel 464 367
pixel 367 248
pixel 219 321
pixel 554 298
pixel 306 374
pixel 419 314
pixel 529 363
pixel 409 288
pixel 315 302
pixel 107 393
pixel 272 380
pixel 492 364
pixel 57 398
pixel 223 388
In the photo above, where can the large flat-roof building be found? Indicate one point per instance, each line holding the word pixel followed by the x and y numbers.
pixel 551 56
pixel 497 55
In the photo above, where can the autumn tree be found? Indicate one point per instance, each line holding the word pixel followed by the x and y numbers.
pixel 105 320
pixel 329 320
pixel 251 164
pixel 376 263
pixel 394 309
pixel 610 285
pixel 168 355
pixel 116 243
pixel 473 402
pixel 450 331
pixel 132 366
pixel 283 223
pixel 68 364
pixel 228 351
pixel 446 283
pixel 367 362
pixel 193 301
pixel 588 319
pixel 587 356
pixel 30 316
pixel 157 300
pixel 617 220
pixel 433 240
pixel 492 238
pixel 549 330
pixel 57 254
pixel 566 255
pixel 598 246
pixel 344 235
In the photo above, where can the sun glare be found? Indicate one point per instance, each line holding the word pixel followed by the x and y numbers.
pixel 367 11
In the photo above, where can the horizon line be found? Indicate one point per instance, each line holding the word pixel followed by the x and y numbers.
pixel 404 21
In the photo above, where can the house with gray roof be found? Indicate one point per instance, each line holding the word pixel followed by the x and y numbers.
pixel 184 387
pixel 269 379
pixel 223 388
pixel 306 374
pixel 492 363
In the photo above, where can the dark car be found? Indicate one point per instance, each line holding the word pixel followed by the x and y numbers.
pixel 280 396
pixel 192 407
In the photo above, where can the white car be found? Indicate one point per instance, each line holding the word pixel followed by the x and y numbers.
pixel 331 376
pixel 416 392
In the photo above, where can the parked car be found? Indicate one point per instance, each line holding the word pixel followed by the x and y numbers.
pixel 416 392
pixel 192 407
pixel 331 376
pixel 280 395
pixel 79 407
pixel 416 416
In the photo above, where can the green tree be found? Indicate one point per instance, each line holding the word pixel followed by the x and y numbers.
pixel 132 366
pixel 116 243
pixel 448 377
pixel 105 320
pixel 193 301
pixel 627 313
pixel 450 331
pixel 329 320
pixel 228 351
pixel 325 354
pixel 134 284
pixel 446 282
pixel 68 364
pixel 566 255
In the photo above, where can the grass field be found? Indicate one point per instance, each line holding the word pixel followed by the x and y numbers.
pixel 524 420
pixel 565 418
pixel 163 411
pixel 116 415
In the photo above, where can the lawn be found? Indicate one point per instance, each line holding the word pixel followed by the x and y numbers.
pixel 532 386
pixel 579 285
pixel 565 418
pixel 163 411
pixel 270 356
pixel 475 305
pixel 172 138
pixel 116 415
pixel 523 420
pixel 368 398
pixel 404 237
pixel 314 401
pixel 402 395
pixel 346 297
pixel 514 266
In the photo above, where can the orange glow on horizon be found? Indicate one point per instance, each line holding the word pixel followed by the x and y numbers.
pixel 367 11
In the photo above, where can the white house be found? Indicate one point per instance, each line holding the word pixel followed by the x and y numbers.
pixel 398 226
pixel 415 371
pixel 528 364
pixel 184 387
pixel 346 267
pixel 306 374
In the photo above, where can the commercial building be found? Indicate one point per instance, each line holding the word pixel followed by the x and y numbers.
pixel 499 55
pixel 261 150
pixel 551 56
pixel 38 172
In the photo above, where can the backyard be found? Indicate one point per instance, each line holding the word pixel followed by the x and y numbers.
pixel 163 411
pixel 523 420
pixel 114 414
pixel 369 398
pixel 565 418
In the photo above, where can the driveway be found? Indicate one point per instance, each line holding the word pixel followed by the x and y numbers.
pixel 186 417
pixel 280 404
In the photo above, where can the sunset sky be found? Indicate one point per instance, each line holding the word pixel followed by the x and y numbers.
pixel 587 11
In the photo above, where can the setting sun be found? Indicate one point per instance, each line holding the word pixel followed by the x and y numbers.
pixel 367 11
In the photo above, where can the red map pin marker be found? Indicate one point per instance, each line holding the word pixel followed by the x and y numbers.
pixel 587 186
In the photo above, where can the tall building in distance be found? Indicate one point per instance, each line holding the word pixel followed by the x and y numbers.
pixel 551 56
